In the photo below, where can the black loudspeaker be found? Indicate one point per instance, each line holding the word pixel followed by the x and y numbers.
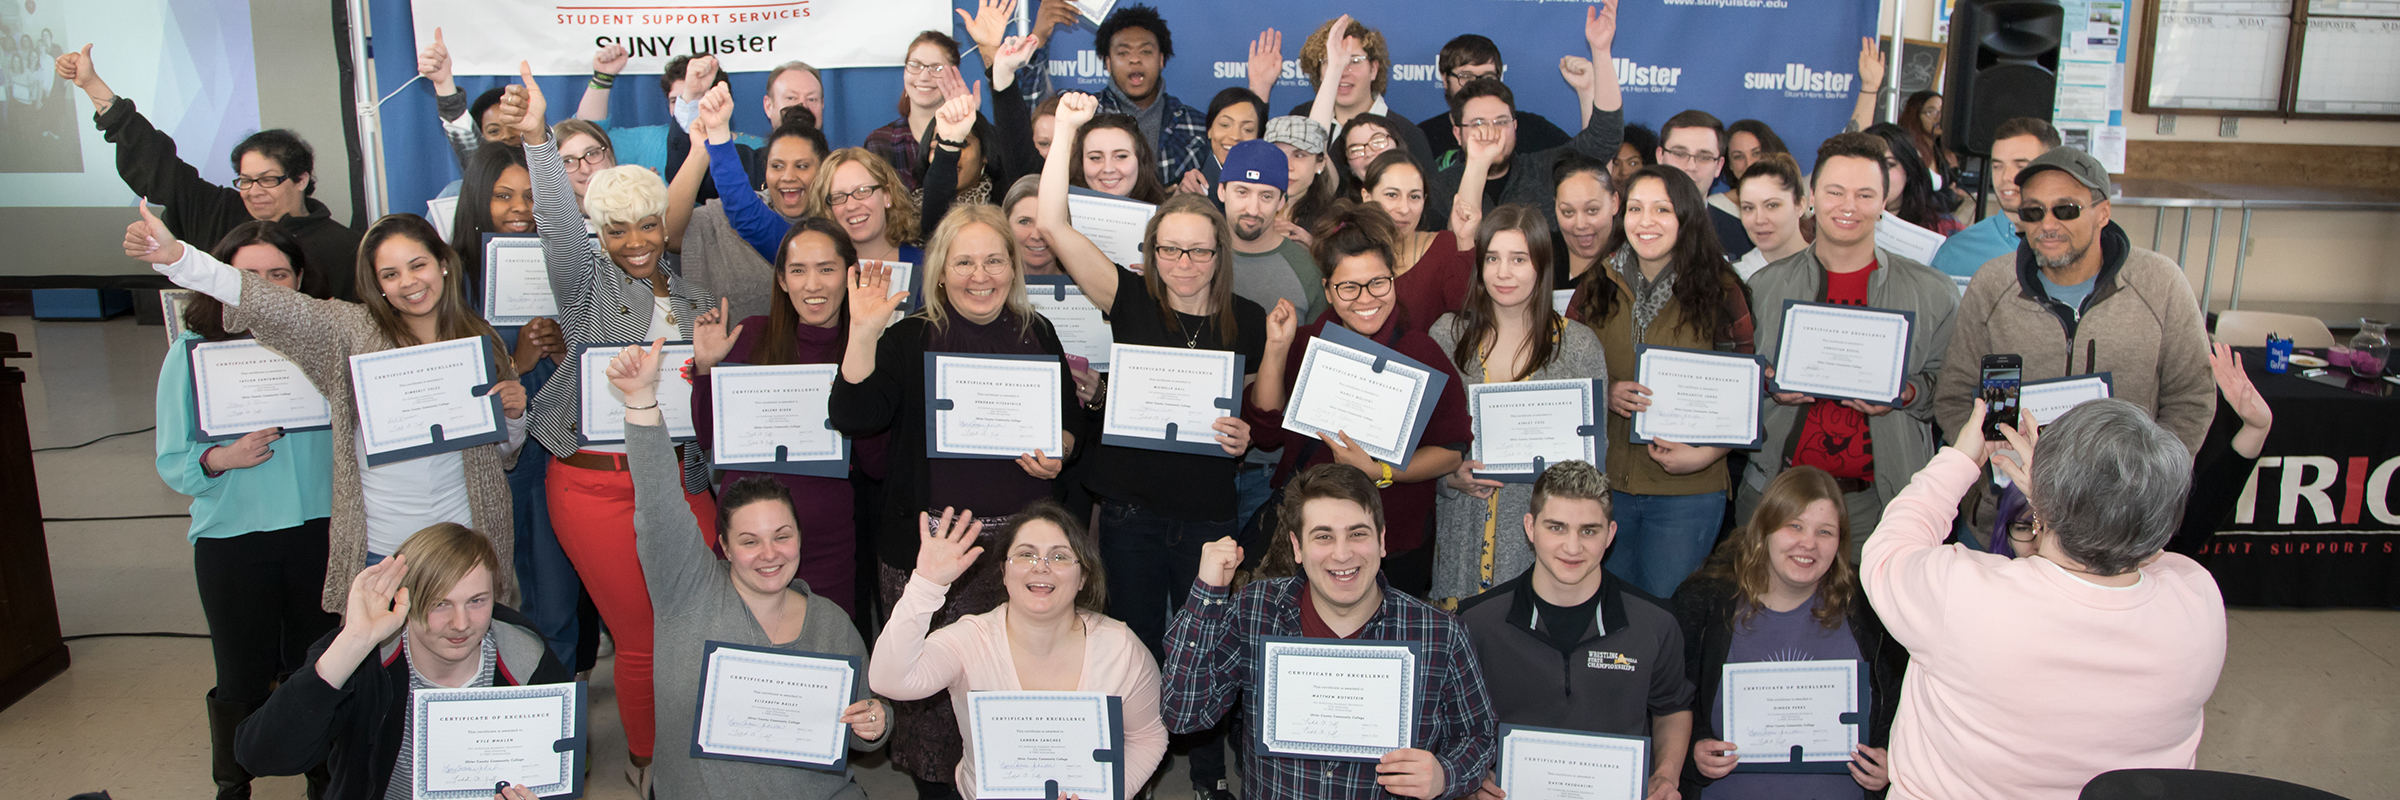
pixel 2003 64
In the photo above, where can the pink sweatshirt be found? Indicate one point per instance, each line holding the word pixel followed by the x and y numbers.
pixel 2025 681
pixel 972 655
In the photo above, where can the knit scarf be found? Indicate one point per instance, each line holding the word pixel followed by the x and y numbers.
pixel 1648 295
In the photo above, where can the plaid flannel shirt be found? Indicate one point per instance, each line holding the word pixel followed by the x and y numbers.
pixel 1212 654
pixel 1182 133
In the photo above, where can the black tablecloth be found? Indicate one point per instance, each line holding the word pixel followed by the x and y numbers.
pixel 2319 522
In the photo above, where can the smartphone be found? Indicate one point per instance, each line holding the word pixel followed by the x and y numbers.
pixel 2002 374
pixel 1078 363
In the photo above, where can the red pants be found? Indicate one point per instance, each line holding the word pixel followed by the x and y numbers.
pixel 592 511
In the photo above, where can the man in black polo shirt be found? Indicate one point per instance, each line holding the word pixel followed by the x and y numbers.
pixel 1619 650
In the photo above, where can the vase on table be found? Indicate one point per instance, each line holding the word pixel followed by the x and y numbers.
pixel 2373 349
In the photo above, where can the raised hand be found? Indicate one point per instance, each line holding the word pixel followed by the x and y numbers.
pixel 1074 109
pixel 1283 324
pixel 1012 55
pixel 989 23
pixel 635 372
pixel 610 59
pixel 1266 58
pixel 1218 560
pixel 872 300
pixel 953 83
pixel 378 605
pixel 433 62
pixel 1870 65
pixel 533 124
pixel 711 339
pixel 1576 70
pixel 76 68
pixel 2226 366
pixel 1338 51
pixel 716 110
pixel 699 74
pixel 149 240
pixel 1600 26
pixel 948 545
pixel 253 449
pixel 1052 14
pixel 954 121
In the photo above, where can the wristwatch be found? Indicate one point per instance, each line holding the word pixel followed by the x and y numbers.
pixel 1384 482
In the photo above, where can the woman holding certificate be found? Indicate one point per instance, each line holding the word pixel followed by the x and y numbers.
pixel 784 743
pixel 976 318
pixel 806 324
pixel 1666 285
pixel 259 509
pixel 1507 332
pixel 1782 592
pixel 615 289
pixel 412 297
pixel 1354 248
pixel 1048 637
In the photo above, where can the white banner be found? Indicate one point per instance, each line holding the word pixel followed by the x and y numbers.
pixel 558 37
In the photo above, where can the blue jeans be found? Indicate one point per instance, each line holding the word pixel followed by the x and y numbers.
pixel 1251 488
pixel 1661 539
pixel 1152 560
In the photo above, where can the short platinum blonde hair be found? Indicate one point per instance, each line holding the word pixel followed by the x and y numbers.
pixel 624 194
pixel 2110 484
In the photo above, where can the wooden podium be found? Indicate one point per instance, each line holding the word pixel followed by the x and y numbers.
pixel 31 652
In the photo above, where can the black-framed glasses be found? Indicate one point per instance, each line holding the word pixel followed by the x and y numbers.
pixel 2065 212
pixel 269 180
pixel 1168 252
pixel 1691 157
pixel 922 68
pixel 592 157
pixel 1348 290
pixel 1462 75
pixel 861 194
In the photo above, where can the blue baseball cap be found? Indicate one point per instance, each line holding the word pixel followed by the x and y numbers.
pixel 1256 161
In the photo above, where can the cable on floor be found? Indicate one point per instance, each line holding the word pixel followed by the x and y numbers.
pixel 159 634
pixel 95 441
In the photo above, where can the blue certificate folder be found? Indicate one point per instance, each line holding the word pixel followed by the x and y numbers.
pixel 1784 382
pixel 1757 436
pixel 1856 720
pixel 1435 381
pixel 575 738
pixel 1114 757
pixel 1167 435
pixel 192 363
pixel 1637 747
pixel 782 463
pixel 841 749
pixel 935 402
pixel 1595 428
pixel 1268 741
pixel 478 350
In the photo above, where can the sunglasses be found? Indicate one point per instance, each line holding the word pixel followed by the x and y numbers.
pixel 2065 212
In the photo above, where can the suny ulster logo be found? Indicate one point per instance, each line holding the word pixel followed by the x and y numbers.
pixel 1602 659
pixel 1635 78
pixel 1797 80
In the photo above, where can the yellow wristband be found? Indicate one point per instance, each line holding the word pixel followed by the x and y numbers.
pixel 1386 481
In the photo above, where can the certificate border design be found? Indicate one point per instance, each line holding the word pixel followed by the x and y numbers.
pixel 1273 648
pixel 475 346
pixel 1595 444
pixel 1811 761
pixel 583 411
pixel 1155 437
pixel 2108 381
pixel 1110 716
pixel 492 244
pixel 200 428
pixel 1584 739
pixel 1783 344
pixel 1055 289
pixel 1757 435
pixel 571 726
pixel 835 464
pixel 840 762
pixel 935 403
pixel 1090 197
pixel 1367 351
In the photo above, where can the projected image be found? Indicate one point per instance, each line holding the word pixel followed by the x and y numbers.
pixel 38 117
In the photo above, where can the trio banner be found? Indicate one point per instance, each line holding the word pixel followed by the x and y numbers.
pixel 489 38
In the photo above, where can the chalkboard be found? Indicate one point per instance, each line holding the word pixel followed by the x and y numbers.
pixel 1919 68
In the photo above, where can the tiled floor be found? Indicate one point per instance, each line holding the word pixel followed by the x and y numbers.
pixel 2307 696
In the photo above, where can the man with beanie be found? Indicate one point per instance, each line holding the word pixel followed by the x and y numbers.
pixel 1267 266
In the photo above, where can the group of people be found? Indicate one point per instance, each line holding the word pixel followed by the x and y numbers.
pixel 1485 242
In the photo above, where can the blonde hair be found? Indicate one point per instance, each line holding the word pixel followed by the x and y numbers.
pixel 900 225
pixel 1742 559
pixel 1312 53
pixel 438 558
pixel 571 128
pixel 626 194
pixel 936 269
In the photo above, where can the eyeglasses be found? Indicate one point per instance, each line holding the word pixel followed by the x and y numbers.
pixel 1689 157
pixel 861 194
pixel 592 157
pixel 1374 144
pixel 1029 558
pixel 1348 290
pixel 1495 123
pixel 995 267
pixel 2065 212
pixel 271 181
pixel 922 68
pixel 1166 252
pixel 1462 75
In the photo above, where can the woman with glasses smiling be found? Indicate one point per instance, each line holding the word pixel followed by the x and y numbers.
pixel 974 294
pixel 866 197
pixel 1354 248
pixel 932 58
pixel 1049 637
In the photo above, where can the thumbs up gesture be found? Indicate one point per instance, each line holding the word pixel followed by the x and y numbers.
pixel 149 240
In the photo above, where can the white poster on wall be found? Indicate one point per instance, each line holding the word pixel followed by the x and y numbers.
pixel 2090 111
pixel 487 38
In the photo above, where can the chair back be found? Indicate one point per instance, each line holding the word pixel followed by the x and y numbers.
pixel 2194 784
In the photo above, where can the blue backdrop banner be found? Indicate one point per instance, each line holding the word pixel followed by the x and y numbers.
pixel 1791 63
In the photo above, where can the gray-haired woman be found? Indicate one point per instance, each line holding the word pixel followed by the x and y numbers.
pixel 2124 640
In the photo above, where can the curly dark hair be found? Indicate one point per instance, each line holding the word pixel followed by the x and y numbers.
pixel 1134 16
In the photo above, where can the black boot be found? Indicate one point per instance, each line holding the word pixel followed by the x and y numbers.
pixel 233 782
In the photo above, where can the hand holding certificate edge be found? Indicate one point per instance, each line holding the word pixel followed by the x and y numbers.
pixel 1411 772
pixel 253 449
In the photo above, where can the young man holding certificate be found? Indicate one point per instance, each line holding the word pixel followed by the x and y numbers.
pixel 1355 691
pixel 1857 397
pixel 426 618
pixel 1618 649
